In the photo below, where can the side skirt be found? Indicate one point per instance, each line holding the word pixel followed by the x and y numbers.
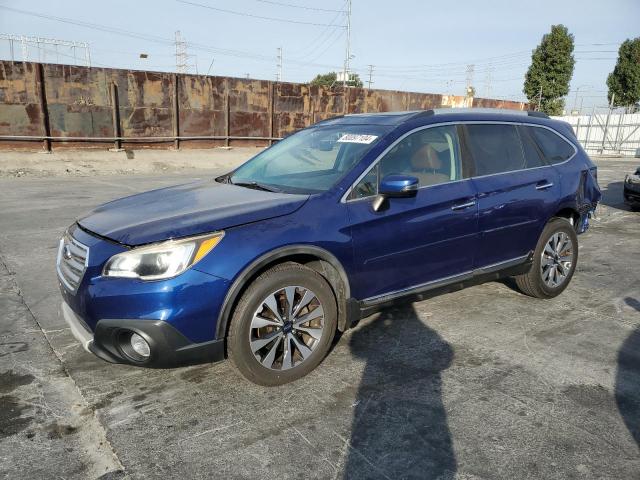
pixel 432 289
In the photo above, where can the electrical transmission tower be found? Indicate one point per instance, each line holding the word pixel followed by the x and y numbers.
pixel 55 48
pixel 182 58
pixel 469 84
pixel 279 65
pixel 370 81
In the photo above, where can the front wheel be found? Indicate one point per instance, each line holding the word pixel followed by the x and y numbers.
pixel 554 261
pixel 283 325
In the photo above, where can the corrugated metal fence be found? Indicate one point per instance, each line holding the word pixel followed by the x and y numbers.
pixel 604 132
pixel 48 104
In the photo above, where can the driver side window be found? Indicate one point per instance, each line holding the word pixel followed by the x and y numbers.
pixel 431 155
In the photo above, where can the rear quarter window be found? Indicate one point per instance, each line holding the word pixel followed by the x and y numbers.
pixel 554 148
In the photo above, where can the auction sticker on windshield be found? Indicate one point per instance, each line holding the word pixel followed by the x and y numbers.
pixel 357 138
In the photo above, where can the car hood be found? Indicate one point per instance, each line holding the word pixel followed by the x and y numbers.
pixel 184 210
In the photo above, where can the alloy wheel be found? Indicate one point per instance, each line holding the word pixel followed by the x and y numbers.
pixel 557 260
pixel 286 327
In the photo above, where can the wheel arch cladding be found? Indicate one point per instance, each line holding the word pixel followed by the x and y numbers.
pixel 316 258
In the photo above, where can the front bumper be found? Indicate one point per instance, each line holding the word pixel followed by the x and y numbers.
pixel 169 348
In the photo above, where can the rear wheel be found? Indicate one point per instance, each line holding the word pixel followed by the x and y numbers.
pixel 554 261
pixel 283 325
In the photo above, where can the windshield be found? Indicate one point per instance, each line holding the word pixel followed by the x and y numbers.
pixel 310 161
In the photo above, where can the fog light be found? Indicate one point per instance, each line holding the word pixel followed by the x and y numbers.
pixel 140 345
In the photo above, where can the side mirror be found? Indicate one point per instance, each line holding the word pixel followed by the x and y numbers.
pixel 398 186
pixel 394 186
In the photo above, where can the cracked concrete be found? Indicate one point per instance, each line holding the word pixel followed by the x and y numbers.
pixel 476 384
pixel 46 427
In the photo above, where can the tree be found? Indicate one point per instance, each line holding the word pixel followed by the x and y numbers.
pixel 330 79
pixel 624 81
pixel 547 80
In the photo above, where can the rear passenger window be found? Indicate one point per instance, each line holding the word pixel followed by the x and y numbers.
pixel 495 148
pixel 554 147
pixel 532 156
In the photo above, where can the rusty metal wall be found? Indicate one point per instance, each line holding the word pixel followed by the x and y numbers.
pixel 100 107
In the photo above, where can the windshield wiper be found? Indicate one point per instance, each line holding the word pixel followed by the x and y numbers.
pixel 256 186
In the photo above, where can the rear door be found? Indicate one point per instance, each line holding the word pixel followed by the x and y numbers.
pixel 517 191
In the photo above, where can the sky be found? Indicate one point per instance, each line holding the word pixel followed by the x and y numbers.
pixel 421 46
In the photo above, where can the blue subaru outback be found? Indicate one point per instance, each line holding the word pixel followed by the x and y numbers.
pixel 266 263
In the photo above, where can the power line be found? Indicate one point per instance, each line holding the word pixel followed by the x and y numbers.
pixel 331 28
pixel 94 26
pixel 251 15
pixel 299 6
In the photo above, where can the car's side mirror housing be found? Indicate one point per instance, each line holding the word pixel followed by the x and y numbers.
pixel 394 186
pixel 398 186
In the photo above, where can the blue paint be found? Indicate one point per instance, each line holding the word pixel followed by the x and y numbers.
pixel 412 240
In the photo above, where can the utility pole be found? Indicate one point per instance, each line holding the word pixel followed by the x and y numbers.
pixel 487 81
pixel 348 52
pixel 279 65
pixel 370 81
pixel 539 99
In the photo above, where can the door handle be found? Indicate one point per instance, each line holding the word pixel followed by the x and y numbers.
pixel 544 186
pixel 462 206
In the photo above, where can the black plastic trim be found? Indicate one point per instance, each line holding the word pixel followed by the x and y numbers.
pixel 480 276
pixel 169 348
pixel 241 280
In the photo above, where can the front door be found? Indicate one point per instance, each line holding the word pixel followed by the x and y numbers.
pixel 416 240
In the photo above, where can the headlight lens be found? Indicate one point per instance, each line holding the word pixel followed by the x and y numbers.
pixel 162 260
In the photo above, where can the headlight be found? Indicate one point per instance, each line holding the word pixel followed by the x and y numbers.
pixel 162 260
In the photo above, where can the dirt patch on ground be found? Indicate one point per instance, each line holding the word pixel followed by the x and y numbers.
pixel 128 162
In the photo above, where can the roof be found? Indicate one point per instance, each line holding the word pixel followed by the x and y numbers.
pixel 437 114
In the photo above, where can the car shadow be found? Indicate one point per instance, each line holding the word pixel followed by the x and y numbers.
pixel 613 196
pixel 628 378
pixel 400 427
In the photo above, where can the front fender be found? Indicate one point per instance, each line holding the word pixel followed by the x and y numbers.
pixel 269 258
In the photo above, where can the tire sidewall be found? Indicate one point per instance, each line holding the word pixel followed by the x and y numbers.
pixel 263 286
pixel 555 226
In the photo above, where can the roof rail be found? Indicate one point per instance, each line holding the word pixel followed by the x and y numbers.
pixel 328 119
pixel 532 113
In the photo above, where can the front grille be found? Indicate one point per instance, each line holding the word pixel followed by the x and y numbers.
pixel 72 262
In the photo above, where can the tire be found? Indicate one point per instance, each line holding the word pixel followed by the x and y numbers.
pixel 271 348
pixel 536 283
